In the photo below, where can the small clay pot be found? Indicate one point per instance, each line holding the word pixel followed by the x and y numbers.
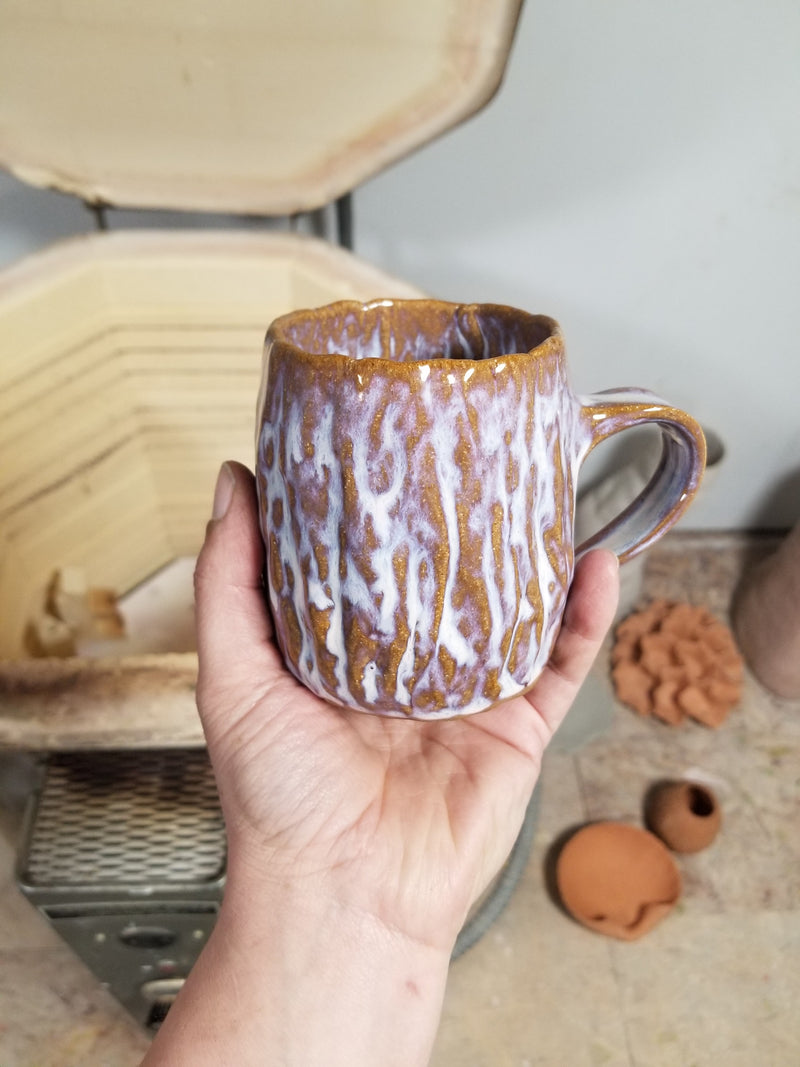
pixel 617 879
pixel 685 815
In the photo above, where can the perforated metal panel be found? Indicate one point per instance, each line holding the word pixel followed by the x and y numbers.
pixel 126 819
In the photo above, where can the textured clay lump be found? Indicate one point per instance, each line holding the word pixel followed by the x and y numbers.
pixel 676 660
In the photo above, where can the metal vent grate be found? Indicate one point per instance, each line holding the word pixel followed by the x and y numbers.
pixel 126 819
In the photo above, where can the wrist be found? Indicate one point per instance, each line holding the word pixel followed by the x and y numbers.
pixel 292 975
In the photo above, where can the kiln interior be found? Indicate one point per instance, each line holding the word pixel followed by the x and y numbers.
pixel 130 371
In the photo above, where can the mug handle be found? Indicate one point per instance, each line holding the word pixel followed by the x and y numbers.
pixel 675 481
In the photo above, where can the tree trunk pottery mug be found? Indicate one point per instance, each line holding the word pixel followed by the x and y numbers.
pixel 416 470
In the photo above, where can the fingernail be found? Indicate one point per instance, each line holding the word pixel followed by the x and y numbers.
pixel 223 492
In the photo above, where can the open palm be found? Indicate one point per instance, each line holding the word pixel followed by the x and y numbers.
pixel 407 821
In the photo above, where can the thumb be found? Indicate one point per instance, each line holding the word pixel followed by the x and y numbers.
pixel 234 628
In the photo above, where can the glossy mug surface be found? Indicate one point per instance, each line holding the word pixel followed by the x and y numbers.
pixel 416 469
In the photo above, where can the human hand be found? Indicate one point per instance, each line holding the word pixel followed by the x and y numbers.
pixel 397 826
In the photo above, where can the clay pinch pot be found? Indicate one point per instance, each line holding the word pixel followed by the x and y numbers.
pixel 685 815
pixel 617 879
pixel 416 464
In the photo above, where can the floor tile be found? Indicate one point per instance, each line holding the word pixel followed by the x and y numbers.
pixel 535 991
pixel 53 1013
pixel 708 991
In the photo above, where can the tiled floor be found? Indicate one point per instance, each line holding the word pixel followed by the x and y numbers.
pixel 717 984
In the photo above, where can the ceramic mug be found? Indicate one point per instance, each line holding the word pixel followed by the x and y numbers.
pixel 416 469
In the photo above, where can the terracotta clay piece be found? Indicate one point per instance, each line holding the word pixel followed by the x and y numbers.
pixel 617 879
pixel 685 815
pixel 676 660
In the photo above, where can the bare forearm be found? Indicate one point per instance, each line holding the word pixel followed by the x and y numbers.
pixel 298 982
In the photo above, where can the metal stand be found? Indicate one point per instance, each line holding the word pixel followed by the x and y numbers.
pixel 124 853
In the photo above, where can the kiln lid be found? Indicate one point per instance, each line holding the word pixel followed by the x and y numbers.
pixel 249 107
